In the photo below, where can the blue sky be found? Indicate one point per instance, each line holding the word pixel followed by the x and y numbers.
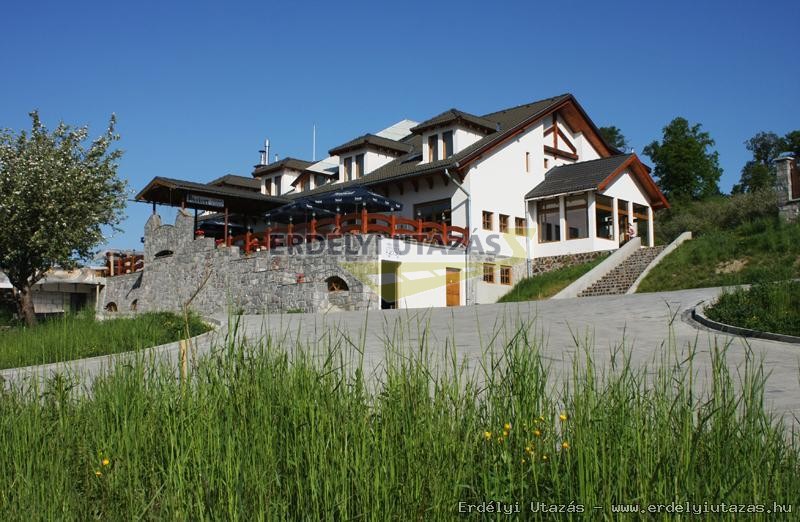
pixel 197 86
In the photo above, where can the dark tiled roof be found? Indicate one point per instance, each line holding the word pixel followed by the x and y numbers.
pixel 576 177
pixel 285 163
pixel 455 115
pixel 231 180
pixel 201 188
pixel 409 164
pixel 371 139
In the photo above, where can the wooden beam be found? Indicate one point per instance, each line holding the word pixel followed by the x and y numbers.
pixel 415 184
pixel 560 153
pixel 430 181
pixel 446 180
pixel 549 130
pixel 569 143
pixel 555 126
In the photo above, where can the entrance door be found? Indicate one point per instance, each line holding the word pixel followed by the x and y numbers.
pixel 453 279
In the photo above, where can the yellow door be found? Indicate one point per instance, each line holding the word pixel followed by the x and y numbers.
pixel 453 279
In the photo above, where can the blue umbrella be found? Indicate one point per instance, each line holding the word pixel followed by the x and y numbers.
pixel 357 196
pixel 298 208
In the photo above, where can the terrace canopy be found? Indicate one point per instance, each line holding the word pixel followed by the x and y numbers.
pixel 187 194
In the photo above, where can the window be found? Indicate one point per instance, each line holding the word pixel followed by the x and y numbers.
pixel 576 208
pixel 488 220
pixel 527 162
pixel 488 273
pixel 319 180
pixel 433 147
pixel 549 226
pixel 604 215
pixel 305 184
pixel 546 163
pixel 438 211
pixel 519 226
pixel 267 186
pixel 447 144
pixel 359 166
pixel 641 224
pixel 503 223
pixel 278 185
pixel 505 275
pixel 348 168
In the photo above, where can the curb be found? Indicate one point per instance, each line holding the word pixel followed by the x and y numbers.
pixel 697 314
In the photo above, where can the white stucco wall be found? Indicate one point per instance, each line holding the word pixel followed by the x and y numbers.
pixel 627 188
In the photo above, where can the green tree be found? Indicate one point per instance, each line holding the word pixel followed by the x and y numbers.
pixel 685 167
pixel 614 137
pixel 759 173
pixel 56 195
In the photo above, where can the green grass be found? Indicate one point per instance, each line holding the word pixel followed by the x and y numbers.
pixel 80 335
pixel 548 284
pixel 770 307
pixel 257 434
pixel 761 251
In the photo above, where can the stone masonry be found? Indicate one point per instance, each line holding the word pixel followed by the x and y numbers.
pixel 788 192
pixel 180 270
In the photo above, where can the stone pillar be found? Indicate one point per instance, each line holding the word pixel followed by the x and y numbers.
pixel 787 177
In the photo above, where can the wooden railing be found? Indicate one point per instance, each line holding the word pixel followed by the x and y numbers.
pixel 387 225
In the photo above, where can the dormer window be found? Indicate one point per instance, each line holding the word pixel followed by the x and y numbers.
pixel 278 185
pixel 447 144
pixel 433 147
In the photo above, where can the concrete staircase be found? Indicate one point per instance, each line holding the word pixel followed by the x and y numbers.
pixel 620 279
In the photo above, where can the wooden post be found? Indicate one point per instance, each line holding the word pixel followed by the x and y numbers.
pixel 419 227
pixel 289 234
pixel 364 220
pixel 267 235
pixel 392 225
pixel 338 222
pixel 247 242
pixel 313 227
pixel 445 240
pixel 226 226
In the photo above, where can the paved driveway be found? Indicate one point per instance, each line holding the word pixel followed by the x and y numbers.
pixel 648 324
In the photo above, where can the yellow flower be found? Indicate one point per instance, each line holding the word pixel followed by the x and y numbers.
pixel 563 416
pixel 505 433
pixel 537 433
pixel 541 418
pixel 544 457
pixel 98 474
pixel 529 450
pixel 106 462
pixel 487 435
pixel 565 445
pixel 522 461
pixel 507 426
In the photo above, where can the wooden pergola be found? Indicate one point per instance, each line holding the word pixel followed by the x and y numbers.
pixel 198 196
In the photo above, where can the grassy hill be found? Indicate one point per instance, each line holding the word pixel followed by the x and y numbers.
pixel 546 285
pixel 759 251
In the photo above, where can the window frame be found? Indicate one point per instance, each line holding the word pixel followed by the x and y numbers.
pixel 520 226
pixel 506 277
pixel 543 212
pixel 502 223
pixel 433 147
pixel 584 206
pixel 348 168
pixel 448 151
pixel 489 273
pixel 487 216
pixel 358 162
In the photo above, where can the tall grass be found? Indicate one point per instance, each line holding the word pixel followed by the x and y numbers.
pixel 259 434
pixel 75 336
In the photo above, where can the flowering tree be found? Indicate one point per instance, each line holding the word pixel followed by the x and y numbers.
pixel 56 195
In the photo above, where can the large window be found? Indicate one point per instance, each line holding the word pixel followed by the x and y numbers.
pixel 438 211
pixel 433 147
pixel 488 273
pixel 549 227
pixel 278 185
pixel 359 166
pixel 641 225
pixel 488 220
pixel 604 212
pixel 576 208
pixel 447 144
pixel 503 223
pixel 348 168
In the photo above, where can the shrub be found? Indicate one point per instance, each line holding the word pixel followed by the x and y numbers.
pixel 770 307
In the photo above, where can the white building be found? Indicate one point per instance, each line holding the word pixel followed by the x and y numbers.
pixel 524 183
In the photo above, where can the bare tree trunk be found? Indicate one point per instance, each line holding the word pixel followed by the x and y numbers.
pixel 25 305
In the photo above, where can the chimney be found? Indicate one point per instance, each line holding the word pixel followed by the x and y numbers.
pixel 265 153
